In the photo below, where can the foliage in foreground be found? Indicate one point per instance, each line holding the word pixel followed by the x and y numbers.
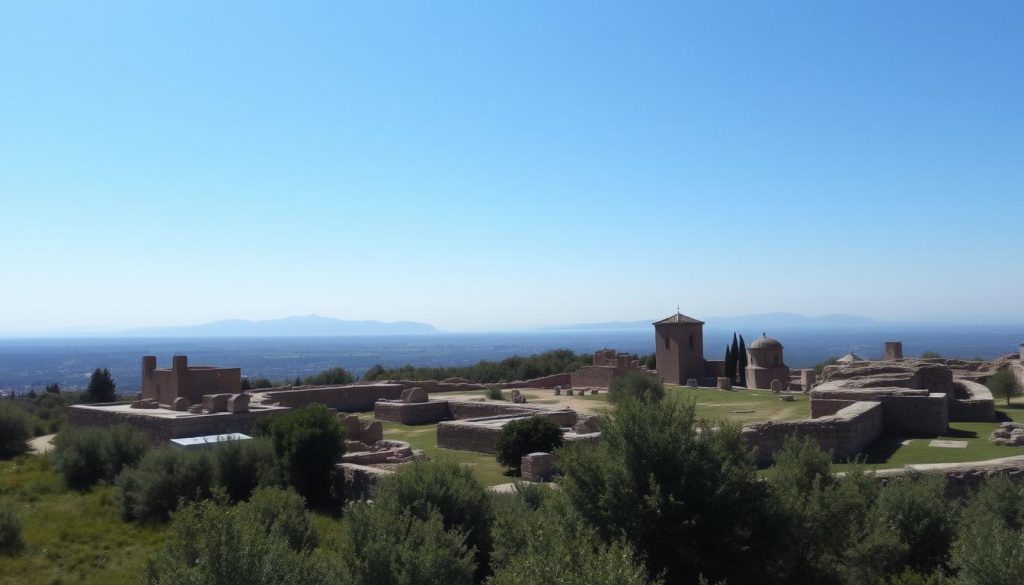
pixel 525 436
pixel 216 544
pixel 990 545
pixel 10 529
pixel 636 386
pixel 308 442
pixel 684 495
pixel 86 456
pixel 15 430
pixel 1004 384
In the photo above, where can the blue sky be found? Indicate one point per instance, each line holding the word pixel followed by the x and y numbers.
pixel 482 166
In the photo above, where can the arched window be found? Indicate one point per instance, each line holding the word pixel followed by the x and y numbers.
pixel 691 341
pixel 668 343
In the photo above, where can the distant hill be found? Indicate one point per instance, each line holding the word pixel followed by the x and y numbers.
pixel 763 321
pixel 297 326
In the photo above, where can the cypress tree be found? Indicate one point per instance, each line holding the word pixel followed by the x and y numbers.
pixel 743 362
pixel 735 355
pixel 730 363
pixel 102 387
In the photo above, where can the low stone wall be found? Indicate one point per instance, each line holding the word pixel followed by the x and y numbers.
pixel 563 380
pixel 160 427
pixel 844 433
pixel 905 411
pixel 356 482
pixel 978 406
pixel 596 376
pixel 962 479
pixel 412 413
pixel 355 398
pixel 432 386
pixel 480 435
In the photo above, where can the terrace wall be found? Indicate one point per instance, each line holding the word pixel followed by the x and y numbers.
pixel 844 433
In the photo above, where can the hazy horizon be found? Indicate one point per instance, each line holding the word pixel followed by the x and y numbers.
pixel 506 167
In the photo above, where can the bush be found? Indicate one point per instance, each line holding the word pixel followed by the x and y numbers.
pixel 86 456
pixel 448 489
pixel 10 529
pixel 331 376
pixel 684 496
pixel 494 393
pixel 383 547
pixel 990 545
pixel 1004 384
pixel 282 514
pixel 16 427
pixel 165 478
pixel 212 544
pixel 525 436
pixel 308 442
pixel 636 386
pixel 242 466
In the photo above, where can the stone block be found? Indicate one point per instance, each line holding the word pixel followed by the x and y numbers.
pixel 569 392
pixel 181 404
pixel 215 402
pixel 196 409
pixel 593 391
pixel 776 386
pixel 238 403
pixel 538 466
pixel 414 395
pixel 724 384
pixel 692 382
pixel 558 390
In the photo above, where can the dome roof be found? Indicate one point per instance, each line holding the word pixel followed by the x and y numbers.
pixel 765 342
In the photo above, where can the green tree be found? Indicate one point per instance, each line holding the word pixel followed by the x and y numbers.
pixel 86 456
pixel 683 494
pixel 636 385
pixel 102 387
pixel 651 361
pixel 240 467
pixel 742 366
pixel 165 479
pixel 735 356
pixel 309 441
pixel 329 377
pixel 1004 384
pixel 730 363
pixel 525 436
pixel 421 489
pixel 374 373
pixel 990 545
pixel 11 541
pixel 16 426
pixel 53 388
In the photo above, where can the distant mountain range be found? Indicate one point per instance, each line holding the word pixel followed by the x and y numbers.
pixel 762 321
pixel 297 326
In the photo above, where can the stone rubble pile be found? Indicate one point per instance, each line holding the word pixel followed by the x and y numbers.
pixel 1010 434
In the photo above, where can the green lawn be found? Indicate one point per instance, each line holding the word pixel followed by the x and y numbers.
pixel 70 537
pixel 890 452
pixel 424 437
pixel 743 406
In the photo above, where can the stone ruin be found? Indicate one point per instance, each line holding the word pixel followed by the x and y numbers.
pixel 1010 434
pixel 414 395
pixel 518 398
pixel 724 383
pixel 538 467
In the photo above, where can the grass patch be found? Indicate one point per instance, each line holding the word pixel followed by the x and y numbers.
pixel 486 468
pixel 742 406
pixel 71 537
pixel 888 452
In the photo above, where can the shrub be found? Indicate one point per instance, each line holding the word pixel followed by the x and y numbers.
pixel 494 393
pixel 164 479
pixel 636 386
pixel 16 427
pixel 1004 384
pixel 382 546
pixel 282 514
pixel 331 376
pixel 684 496
pixel 525 436
pixel 448 489
pixel 10 529
pixel 212 544
pixel 241 466
pixel 308 442
pixel 990 544
pixel 86 456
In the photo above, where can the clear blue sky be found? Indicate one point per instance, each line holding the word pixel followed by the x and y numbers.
pixel 486 165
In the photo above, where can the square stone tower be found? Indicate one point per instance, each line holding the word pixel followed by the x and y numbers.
pixel 679 347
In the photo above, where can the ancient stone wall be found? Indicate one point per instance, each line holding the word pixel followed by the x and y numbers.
pixel 917 374
pixel 562 380
pixel 893 350
pixel 164 428
pixel 962 479
pixel 356 398
pixel 412 413
pixel 595 376
pixel 973 403
pixel 905 411
pixel 481 434
pixel 844 433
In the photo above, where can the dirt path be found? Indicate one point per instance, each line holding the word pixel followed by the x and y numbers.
pixel 41 445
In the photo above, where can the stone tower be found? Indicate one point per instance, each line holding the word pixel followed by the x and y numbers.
pixel 679 347
pixel 764 357
pixel 893 350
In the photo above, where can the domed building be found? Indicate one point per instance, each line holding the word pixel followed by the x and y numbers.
pixel 765 363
